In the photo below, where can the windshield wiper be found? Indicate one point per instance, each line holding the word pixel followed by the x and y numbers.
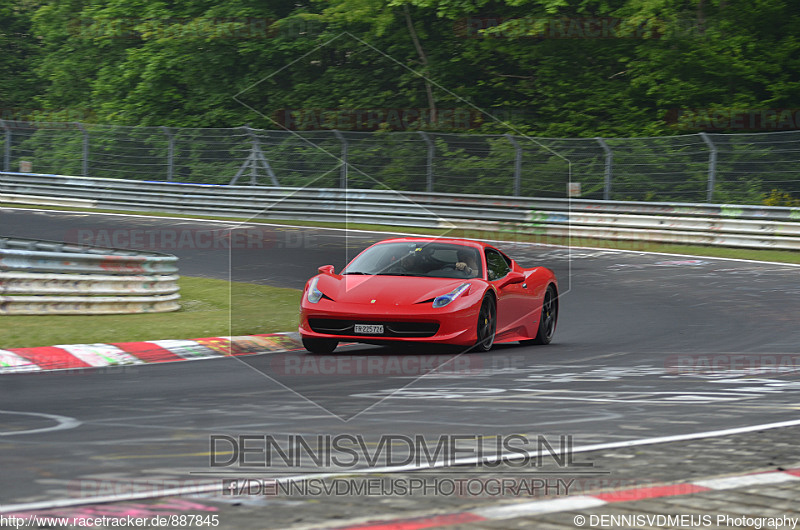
pixel 357 272
pixel 397 274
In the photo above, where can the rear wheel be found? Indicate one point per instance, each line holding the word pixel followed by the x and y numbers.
pixel 548 318
pixel 487 325
pixel 320 345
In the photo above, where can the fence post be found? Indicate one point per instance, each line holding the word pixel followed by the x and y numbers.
pixel 170 152
pixel 609 168
pixel 247 161
pixel 343 167
pixel 252 161
pixel 712 166
pixel 254 148
pixel 431 154
pixel 264 162
pixel 7 150
pixel 85 172
pixel 517 164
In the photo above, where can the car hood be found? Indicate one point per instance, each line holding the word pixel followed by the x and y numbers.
pixel 385 290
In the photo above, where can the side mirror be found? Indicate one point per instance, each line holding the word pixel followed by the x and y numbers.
pixel 326 269
pixel 512 278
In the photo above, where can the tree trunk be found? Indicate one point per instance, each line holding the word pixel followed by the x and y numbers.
pixel 424 60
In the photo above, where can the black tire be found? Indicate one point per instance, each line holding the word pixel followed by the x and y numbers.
pixel 320 346
pixel 487 325
pixel 548 318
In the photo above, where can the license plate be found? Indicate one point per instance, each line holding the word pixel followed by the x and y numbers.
pixel 369 329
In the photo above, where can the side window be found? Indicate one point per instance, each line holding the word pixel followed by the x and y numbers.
pixel 496 265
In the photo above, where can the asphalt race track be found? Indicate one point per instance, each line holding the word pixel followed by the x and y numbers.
pixel 647 346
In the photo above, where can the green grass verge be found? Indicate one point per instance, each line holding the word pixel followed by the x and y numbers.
pixel 209 308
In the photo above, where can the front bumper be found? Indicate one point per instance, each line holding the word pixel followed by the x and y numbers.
pixel 418 323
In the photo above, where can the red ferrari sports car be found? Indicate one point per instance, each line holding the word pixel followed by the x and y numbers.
pixel 444 291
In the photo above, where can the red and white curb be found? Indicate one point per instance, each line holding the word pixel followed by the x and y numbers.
pixel 578 502
pixel 76 356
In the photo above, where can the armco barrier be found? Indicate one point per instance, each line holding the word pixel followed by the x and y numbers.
pixel 45 277
pixel 706 224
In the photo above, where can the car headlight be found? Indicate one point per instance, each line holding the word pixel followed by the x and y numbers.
pixel 314 295
pixel 441 301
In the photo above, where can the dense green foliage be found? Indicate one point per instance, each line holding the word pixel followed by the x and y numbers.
pixel 18 51
pixel 551 67
pixel 545 68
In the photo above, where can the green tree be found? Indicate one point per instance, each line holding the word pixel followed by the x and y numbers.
pixel 18 81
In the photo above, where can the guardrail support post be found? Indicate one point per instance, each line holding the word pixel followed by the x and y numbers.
pixel 7 150
pixel 247 161
pixel 517 164
pixel 85 171
pixel 264 162
pixel 170 152
pixel 712 166
pixel 255 158
pixel 429 160
pixel 343 168
pixel 609 168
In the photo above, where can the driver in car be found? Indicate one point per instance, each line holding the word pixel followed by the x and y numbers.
pixel 466 263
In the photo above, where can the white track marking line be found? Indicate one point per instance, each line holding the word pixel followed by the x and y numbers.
pixel 217 485
pixel 745 480
pixel 62 423
pixel 510 511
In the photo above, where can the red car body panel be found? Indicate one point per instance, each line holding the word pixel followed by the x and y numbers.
pixel 405 303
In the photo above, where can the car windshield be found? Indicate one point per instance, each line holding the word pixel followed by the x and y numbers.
pixel 423 258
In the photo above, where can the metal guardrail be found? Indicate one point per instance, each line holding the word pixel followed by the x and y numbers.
pixel 705 224
pixel 81 305
pixel 46 277
pixel 95 284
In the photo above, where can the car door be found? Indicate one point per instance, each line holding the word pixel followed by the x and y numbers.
pixel 515 301
pixel 497 268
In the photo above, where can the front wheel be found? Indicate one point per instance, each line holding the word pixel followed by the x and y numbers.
pixel 548 318
pixel 320 346
pixel 487 325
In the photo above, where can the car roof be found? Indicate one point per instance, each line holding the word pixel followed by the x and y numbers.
pixel 451 240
